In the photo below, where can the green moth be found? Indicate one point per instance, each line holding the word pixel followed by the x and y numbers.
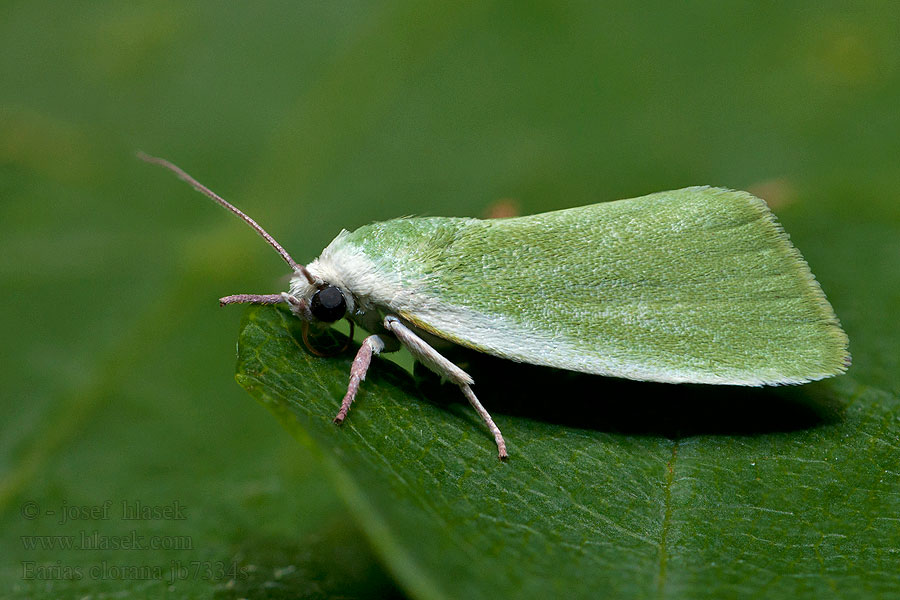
pixel 695 285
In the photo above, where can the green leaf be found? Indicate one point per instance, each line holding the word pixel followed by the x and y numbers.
pixel 117 363
pixel 612 488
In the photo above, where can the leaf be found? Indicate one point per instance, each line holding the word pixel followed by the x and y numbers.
pixel 117 364
pixel 613 488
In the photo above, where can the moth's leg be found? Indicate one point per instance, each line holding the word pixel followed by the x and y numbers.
pixel 372 345
pixel 432 359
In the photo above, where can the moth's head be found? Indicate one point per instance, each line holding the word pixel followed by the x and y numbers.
pixel 317 301
pixel 311 298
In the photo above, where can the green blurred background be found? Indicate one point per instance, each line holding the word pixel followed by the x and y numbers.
pixel 117 363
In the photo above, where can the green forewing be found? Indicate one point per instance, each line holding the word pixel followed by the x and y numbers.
pixel 699 284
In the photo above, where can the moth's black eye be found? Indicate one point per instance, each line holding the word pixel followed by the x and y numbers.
pixel 328 304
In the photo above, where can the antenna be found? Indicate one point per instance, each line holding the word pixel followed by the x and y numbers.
pixel 297 267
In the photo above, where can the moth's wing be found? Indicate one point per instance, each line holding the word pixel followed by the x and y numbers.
pixel 694 285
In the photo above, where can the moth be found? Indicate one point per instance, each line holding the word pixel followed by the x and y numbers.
pixel 696 285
